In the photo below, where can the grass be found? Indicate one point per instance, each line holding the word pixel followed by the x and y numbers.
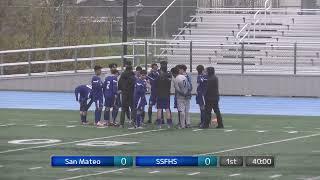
pixel 298 158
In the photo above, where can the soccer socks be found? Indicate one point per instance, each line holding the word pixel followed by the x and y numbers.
pixel 83 118
pixel 122 117
pixel 183 119
pixel 162 117
pixel 143 116
pixel 150 114
pixel 114 114
pixel 170 123
pixel 138 120
pixel 202 116
pixel 97 115
pixel 106 115
pixel 158 122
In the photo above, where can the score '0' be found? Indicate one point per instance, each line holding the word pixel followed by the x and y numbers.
pixel 123 161
pixel 207 161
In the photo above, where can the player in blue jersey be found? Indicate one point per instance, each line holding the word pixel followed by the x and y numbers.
pixel 83 94
pixel 201 89
pixel 110 92
pixel 113 66
pixel 138 72
pixel 140 101
pixel 97 94
pixel 152 77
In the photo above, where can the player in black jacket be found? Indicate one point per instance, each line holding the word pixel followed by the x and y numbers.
pixel 126 86
pixel 212 98
pixel 163 86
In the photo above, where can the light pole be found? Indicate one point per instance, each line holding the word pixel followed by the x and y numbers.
pixel 124 29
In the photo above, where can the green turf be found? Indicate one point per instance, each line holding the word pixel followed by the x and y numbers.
pixel 298 158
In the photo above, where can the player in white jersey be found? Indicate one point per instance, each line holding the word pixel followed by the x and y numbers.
pixel 182 88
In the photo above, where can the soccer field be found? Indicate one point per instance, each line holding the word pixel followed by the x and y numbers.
pixel 294 141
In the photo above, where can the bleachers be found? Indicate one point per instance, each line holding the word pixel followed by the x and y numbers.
pixel 269 43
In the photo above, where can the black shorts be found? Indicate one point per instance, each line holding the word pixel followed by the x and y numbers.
pixel 83 105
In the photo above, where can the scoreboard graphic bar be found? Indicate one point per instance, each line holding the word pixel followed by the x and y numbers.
pixel 91 161
pixel 163 161
pixel 176 161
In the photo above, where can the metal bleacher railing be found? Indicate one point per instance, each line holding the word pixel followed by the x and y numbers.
pixel 75 59
pixel 302 58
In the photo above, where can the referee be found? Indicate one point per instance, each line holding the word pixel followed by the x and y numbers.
pixel 212 99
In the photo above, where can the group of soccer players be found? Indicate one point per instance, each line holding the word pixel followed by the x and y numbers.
pixel 129 93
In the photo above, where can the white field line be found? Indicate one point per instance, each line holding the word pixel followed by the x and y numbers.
pixel 292 132
pixel 73 169
pixel 93 174
pixel 197 130
pixel 194 173
pixel 34 168
pixel 1 166
pixel 152 172
pixel 71 126
pixel 229 130
pixel 266 130
pixel 84 140
pixel 275 176
pixel 41 125
pixel 262 144
pixel 232 175
pixel 261 131
pixel 313 178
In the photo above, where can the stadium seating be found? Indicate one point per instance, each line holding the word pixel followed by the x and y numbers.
pixel 269 44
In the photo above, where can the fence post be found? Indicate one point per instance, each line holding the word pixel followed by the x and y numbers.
pixel 133 56
pixel 295 58
pixel 164 26
pixel 29 63
pixel 75 60
pixel 191 56
pixel 92 55
pixel 155 37
pixel 47 64
pixel 242 58
pixel 2 68
pixel 146 55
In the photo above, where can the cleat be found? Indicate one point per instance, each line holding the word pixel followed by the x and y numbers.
pixel 132 127
pixel 84 123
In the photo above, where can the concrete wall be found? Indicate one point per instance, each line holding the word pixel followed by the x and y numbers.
pixel 230 84
pixel 290 3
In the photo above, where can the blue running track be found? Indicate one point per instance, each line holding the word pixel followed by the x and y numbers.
pixel 229 104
